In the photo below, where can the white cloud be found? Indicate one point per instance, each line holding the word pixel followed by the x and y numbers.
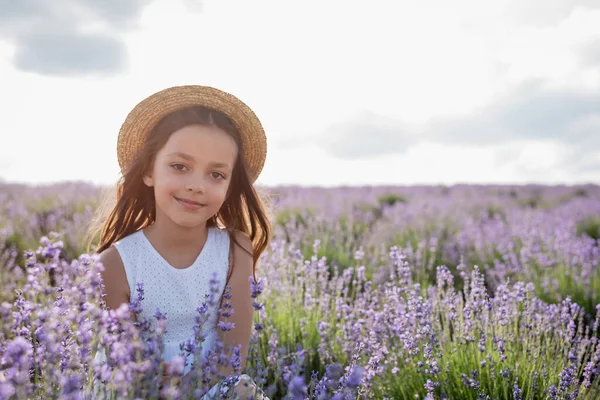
pixel 67 37
pixel 426 163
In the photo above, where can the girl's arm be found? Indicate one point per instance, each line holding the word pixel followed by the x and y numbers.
pixel 241 300
pixel 116 286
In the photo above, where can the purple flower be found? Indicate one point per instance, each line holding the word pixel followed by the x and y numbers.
pixel 334 371
pixel 297 388
pixel 176 366
pixel 517 392
pixel 236 358
pixel 214 282
pixel 71 385
pixel 7 390
pixel 355 378
pixel 592 368
pixel 227 311
pixel 226 326
pixel 430 386
pixel 257 287
pixel 17 352
pixel 566 380
pixel 553 392
pixel 227 292
pixel 393 310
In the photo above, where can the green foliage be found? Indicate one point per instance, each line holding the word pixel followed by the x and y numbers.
pixel 391 199
pixel 589 227
pixel 14 243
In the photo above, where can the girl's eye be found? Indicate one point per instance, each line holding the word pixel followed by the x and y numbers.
pixel 178 167
pixel 218 175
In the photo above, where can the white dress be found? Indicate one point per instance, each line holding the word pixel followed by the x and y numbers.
pixel 174 291
pixel 177 293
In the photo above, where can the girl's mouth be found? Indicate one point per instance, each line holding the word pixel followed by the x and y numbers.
pixel 189 203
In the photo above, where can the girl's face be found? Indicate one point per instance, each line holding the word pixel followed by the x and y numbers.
pixel 191 174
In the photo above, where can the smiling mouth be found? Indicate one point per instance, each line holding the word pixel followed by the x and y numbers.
pixel 189 202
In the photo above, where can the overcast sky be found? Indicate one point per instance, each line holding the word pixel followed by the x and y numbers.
pixel 349 92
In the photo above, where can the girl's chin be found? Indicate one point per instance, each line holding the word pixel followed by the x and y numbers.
pixel 187 224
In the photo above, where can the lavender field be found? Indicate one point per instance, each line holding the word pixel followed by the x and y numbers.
pixel 462 292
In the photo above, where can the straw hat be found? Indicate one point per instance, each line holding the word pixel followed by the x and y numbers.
pixel 146 114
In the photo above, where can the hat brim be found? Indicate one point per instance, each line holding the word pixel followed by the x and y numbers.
pixel 147 113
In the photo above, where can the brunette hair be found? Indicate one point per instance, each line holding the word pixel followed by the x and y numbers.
pixel 242 210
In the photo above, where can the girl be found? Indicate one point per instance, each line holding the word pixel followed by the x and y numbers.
pixel 186 209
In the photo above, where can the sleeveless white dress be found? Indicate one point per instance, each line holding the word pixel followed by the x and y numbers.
pixel 177 292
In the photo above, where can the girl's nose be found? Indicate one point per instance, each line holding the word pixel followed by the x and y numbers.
pixel 195 186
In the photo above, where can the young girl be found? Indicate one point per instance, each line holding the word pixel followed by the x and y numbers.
pixel 186 208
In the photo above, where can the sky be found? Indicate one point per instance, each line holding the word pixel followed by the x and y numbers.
pixel 349 92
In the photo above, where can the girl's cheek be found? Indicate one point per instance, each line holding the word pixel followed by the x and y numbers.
pixel 223 188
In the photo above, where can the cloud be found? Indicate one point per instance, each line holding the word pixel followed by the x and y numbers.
pixel 5 166
pixel 590 53
pixel 552 13
pixel 369 134
pixel 69 53
pixel 69 37
pixel 582 153
pixel 531 112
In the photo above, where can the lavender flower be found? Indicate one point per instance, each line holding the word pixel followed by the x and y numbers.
pixel 494 287
pixel 226 326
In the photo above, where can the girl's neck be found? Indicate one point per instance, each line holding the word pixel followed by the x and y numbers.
pixel 175 237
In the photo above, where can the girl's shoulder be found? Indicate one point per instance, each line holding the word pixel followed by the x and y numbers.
pixel 135 236
pixel 237 238
pixel 242 240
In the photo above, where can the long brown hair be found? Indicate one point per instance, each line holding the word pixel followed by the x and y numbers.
pixel 243 209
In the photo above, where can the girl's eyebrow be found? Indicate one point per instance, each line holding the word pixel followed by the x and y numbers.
pixel 219 165
pixel 182 155
pixel 191 159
